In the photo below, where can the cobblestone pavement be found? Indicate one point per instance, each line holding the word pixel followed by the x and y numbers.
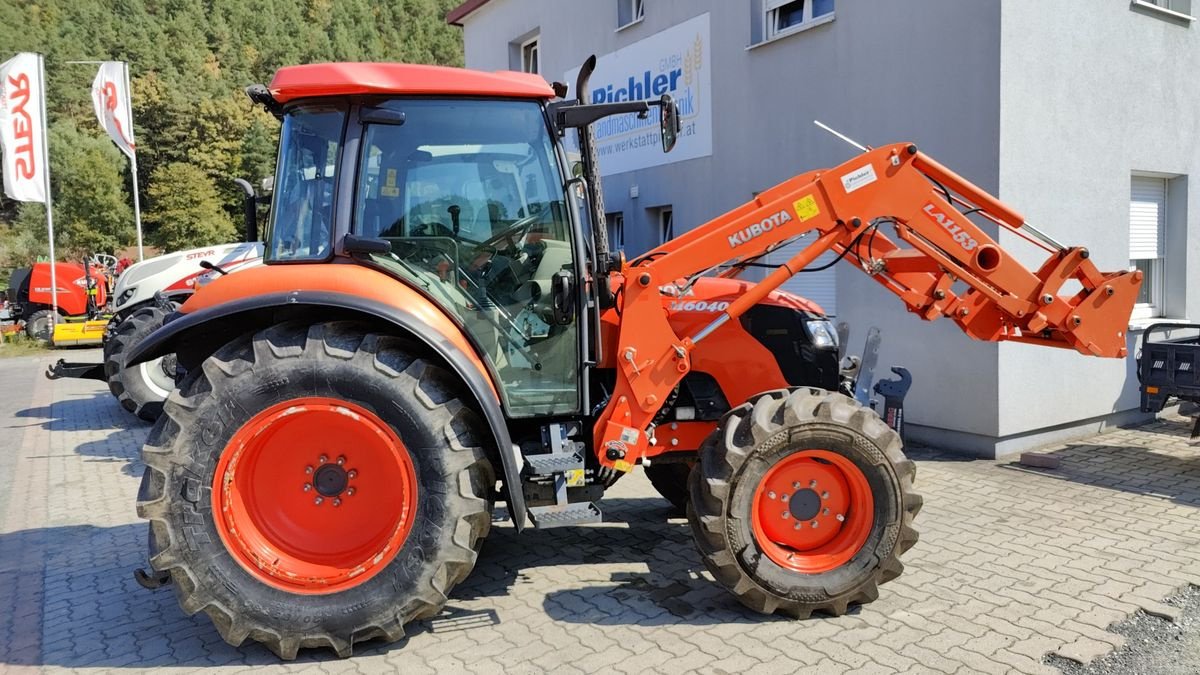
pixel 1013 564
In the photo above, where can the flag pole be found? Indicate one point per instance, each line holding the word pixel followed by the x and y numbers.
pixel 137 207
pixel 49 208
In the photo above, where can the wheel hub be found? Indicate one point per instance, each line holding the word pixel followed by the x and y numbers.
pixel 805 504
pixel 330 480
pixel 333 529
pixel 813 511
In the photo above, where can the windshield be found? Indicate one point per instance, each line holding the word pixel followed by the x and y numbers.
pixel 469 194
pixel 302 220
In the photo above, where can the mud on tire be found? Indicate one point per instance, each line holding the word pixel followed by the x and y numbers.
pixel 394 380
pixel 765 432
pixel 141 389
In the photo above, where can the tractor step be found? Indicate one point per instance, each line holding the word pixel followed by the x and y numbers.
pixel 552 463
pixel 582 513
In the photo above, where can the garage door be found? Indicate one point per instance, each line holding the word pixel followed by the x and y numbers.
pixel 820 287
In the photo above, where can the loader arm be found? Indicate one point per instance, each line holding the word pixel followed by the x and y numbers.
pixel 936 250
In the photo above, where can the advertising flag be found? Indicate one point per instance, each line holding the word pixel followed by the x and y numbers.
pixel 110 97
pixel 22 132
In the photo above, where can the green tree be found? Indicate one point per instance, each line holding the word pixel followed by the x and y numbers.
pixel 187 209
pixel 189 62
pixel 92 210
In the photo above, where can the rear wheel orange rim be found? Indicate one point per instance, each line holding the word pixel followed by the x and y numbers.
pixel 314 495
pixel 812 511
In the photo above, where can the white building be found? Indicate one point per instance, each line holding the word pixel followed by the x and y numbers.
pixel 1082 114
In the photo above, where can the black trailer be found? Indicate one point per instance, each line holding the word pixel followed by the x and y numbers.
pixel 1167 366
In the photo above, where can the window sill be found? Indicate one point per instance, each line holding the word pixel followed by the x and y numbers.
pixel 1139 325
pixel 1150 7
pixel 795 30
pixel 631 24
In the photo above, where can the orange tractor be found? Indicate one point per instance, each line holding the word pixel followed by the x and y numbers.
pixel 441 326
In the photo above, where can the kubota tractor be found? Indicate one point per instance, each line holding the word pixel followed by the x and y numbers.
pixel 440 326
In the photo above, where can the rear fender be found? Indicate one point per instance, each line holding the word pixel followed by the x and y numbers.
pixel 194 335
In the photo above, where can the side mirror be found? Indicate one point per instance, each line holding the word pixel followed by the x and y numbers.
pixel 668 120
pixel 249 210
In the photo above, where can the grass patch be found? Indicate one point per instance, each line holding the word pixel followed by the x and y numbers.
pixel 20 344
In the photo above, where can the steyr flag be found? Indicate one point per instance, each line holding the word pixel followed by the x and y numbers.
pixel 111 100
pixel 21 128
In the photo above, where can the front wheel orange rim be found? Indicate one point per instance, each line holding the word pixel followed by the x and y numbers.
pixel 813 511
pixel 314 495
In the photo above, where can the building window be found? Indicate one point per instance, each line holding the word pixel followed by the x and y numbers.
pixel 529 57
pixel 1179 9
pixel 616 230
pixel 666 224
pixel 1147 232
pixel 630 12
pixel 781 17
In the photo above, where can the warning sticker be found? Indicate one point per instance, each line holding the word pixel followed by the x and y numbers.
pixel 630 435
pixel 806 207
pixel 390 188
pixel 859 178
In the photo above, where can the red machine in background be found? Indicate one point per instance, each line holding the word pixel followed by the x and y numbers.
pixel 81 295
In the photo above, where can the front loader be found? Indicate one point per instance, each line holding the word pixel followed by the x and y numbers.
pixel 440 326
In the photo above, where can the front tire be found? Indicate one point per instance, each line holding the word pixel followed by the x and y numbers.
pixel 348 457
pixel 141 389
pixel 803 502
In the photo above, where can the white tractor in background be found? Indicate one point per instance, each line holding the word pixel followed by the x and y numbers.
pixel 145 295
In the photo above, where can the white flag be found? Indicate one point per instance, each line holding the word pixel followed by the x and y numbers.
pixel 110 97
pixel 21 128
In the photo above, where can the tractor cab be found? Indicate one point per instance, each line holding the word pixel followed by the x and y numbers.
pixel 466 198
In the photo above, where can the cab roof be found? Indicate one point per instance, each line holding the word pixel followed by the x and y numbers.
pixel 341 79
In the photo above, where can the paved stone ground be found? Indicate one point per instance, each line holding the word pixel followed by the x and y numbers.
pixel 1013 564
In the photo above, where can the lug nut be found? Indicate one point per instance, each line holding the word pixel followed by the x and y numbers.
pixel 341 460
pixel 815 524
pixel 322 459
pixel 841 518
pixel 337 502
pixel 796 485
pixel 824 512
pixel 352 473
pixel 786 515
pixel 318 501
pixel 349 492
pixel 308 469
pixel 797 526
pixel 783 497
pixel 824 495
pixel 771 494
pixel 812 483
pixel 307 487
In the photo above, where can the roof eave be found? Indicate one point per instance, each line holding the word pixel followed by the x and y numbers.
pixel 455 16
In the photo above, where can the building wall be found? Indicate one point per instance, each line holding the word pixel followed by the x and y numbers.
pixel 1051 105
pixel 1090 93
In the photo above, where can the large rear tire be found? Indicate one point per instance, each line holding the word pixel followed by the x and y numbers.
pixel 316 486
pixel 141 389
pixel 803 502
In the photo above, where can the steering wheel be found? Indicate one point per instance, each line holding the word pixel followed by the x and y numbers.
pixel 511 235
